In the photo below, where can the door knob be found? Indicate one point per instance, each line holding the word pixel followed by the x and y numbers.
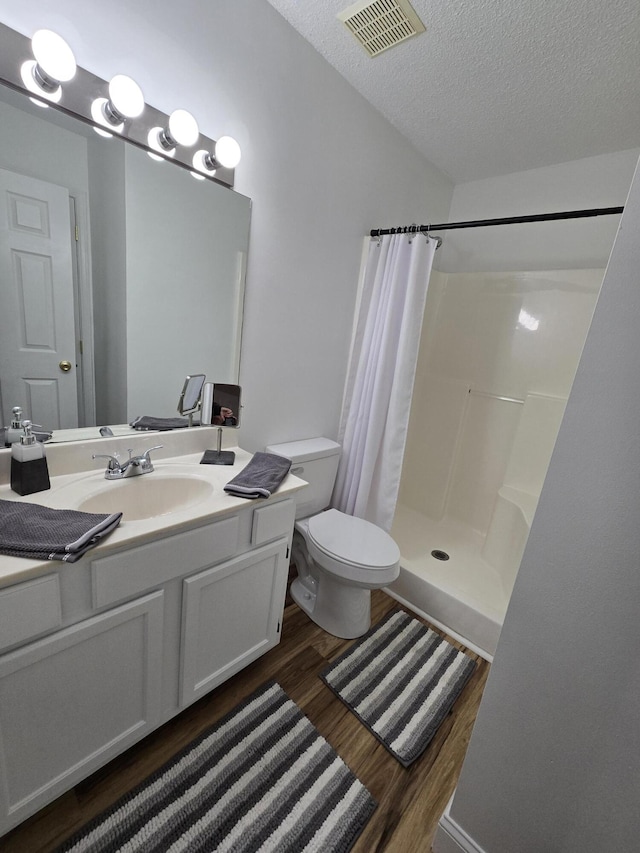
pixel 65 366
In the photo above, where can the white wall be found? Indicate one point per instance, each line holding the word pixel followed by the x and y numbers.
pixel 320 164
pixel 592 182
pixel 554 759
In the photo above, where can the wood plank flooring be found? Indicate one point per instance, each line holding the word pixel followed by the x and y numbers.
pixel 410 801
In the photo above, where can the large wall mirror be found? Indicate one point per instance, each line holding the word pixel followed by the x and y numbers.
pixel 119 275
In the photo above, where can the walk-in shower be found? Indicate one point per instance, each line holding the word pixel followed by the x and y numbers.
pixel 498 355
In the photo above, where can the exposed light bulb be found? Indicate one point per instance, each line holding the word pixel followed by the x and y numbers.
pixel 54 64
pixel 227 152
pixel 125 101
pixel 183 127
pixel 126 96
pixel 204 162
pixel 53 56
pixel 154 140
pixel 99 115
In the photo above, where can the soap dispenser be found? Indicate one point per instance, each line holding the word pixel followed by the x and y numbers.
pixel 14 432
pixel 29 470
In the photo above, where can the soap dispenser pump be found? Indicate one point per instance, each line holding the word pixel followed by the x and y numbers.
pixel 29 470
pixel 13 433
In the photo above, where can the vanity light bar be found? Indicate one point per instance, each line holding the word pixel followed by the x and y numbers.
pixel 50 76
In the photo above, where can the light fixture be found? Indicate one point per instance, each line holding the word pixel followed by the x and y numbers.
pixel 45 65
pixel 125 101
pixel 182 129
pixel 53 65
pixel 226 152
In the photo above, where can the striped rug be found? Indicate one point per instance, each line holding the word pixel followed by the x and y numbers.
pixel 262 779
pixel 400 679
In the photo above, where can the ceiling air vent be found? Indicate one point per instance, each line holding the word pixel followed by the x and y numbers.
pixel 381 24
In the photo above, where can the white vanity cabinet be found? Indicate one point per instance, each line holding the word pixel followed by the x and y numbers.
pixel 231 614
pixel 75 699
pixel 99 653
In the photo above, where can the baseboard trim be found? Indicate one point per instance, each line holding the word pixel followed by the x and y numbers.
pixel 451 838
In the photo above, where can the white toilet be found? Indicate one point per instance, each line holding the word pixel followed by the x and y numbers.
pixel 339 558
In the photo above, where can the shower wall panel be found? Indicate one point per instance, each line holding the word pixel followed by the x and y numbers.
pixel 481 457
pixel 488 336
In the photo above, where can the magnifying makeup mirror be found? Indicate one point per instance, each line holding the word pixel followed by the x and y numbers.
pixel 225 412
pixel 189 401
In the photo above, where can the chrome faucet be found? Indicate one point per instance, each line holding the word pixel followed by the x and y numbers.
pixel 133 467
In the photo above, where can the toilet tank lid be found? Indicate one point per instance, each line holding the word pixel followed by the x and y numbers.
pixel 308 448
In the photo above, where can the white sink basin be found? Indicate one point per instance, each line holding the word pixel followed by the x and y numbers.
pixel 146 496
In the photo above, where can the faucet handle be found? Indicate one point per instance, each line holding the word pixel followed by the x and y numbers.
pixel 113 463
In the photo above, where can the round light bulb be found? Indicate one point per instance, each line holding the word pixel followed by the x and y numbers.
pixel 153 141
pixel 201 162
pixel 227 152
pixel 31 84
pixel 183 127
pixel 98 115
pixel 53 55
pixel 126 96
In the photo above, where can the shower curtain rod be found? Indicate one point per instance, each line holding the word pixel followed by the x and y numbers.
pixel 509 220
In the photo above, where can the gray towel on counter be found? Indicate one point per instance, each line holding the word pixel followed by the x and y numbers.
pixel 40 533
pixel 144 422
pixel 260 477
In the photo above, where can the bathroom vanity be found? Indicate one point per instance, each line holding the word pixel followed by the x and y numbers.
pixel 96 654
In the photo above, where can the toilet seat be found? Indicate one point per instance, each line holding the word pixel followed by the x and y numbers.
pixel 352 548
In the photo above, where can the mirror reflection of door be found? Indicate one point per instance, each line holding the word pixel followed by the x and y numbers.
pixel 38 349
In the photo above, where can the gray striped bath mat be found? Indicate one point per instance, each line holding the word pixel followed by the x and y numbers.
pixel 262 779
pixel 400 680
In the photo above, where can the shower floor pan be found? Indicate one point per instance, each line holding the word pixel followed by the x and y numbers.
pixel 463 595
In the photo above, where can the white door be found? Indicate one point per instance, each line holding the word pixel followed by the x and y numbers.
pixel 37 327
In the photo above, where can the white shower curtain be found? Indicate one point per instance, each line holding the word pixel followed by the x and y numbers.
pixel 380 379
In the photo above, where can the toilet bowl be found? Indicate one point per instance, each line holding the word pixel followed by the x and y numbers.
pixel 339 558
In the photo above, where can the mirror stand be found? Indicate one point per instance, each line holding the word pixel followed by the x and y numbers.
pixel 222 409
pixel 221 457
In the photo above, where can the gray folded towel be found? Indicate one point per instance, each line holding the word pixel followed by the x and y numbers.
pixel 40 533
pixel 145 422
pixel 260 477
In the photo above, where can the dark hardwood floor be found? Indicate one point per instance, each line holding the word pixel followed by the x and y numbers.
pixel 410 801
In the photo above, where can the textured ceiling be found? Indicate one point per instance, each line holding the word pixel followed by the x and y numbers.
pixel 496 86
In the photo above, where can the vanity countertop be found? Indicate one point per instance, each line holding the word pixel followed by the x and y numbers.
pixel 216 505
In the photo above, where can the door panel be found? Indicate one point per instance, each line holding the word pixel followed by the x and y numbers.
pixel 37 325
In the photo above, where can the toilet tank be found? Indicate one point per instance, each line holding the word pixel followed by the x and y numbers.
pixel 316 461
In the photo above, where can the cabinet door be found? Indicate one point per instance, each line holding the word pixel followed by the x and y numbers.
pixel 75 699
pixel 231 614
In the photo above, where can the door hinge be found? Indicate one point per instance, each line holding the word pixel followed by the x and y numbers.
pixel 77 234
pixel 287 552
pixel 278 628
pixel 80 348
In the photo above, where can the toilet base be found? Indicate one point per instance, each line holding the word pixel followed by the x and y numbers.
pixel 339 609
